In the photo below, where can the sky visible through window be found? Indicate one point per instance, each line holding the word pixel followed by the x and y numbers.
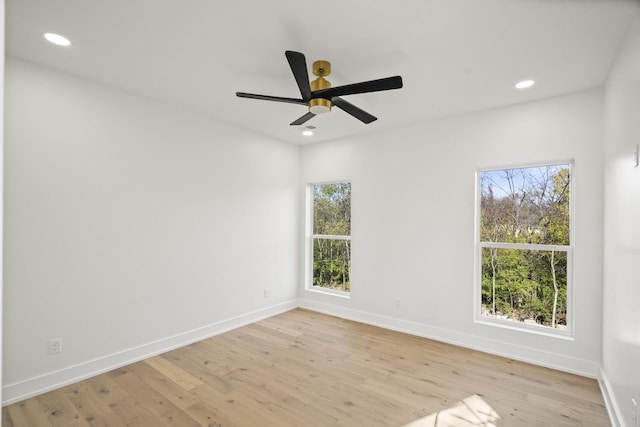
pixel 505 182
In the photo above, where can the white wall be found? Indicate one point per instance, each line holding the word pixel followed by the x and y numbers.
pixel 413 206
pixel 1 175
pixel 131 227
pixel 621 326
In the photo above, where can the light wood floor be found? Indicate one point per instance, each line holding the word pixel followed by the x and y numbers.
pixel 307 369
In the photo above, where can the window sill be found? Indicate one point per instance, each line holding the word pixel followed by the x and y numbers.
pixel 332 292
pixel 523 327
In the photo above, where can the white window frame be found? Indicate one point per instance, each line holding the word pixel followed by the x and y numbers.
pixel 309 239
pixel 568 333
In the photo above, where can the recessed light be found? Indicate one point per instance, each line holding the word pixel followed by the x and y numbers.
pixel 525 84
pixel 57 39
pixel 307 132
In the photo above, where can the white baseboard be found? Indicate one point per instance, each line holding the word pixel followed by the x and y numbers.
pixel 557 361
pixel 609 400
pixel 18 391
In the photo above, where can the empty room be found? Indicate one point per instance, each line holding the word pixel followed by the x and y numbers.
pixel 287 213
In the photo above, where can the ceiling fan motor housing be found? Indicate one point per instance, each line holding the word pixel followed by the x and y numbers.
pixel 320 105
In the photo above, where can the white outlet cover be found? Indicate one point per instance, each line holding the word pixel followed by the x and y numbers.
pixel 55 346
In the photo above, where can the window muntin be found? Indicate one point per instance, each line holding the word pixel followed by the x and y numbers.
pixel 330 266
pixel 524 245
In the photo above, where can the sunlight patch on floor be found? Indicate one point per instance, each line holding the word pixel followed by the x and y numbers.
pixel 470 412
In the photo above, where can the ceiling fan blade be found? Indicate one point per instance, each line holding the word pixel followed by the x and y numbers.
pixel 362 87
pixel 298 65
pixel 356 112
pixel 270 98
pixel 303 119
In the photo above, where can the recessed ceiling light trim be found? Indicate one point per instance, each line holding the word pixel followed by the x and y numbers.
pixel 57 39
pixel 524 84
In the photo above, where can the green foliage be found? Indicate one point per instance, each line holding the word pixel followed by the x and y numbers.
pixel 332 217
pixel 526 206
pixel 524 285
pixel 331 263
pixel 332 209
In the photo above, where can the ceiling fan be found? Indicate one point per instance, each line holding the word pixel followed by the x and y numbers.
pixel 318 94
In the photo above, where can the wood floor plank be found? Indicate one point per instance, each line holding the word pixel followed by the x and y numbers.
pixel 208 416
pixel 145 397
pixel 289 408
pixel 234 405
pixel 179 376
pixel 200 365
pixel 136 414
pixel 60 411
pixel 107 390
pixel 164 385
pixel 92 408
pixel 303 368
pixel 26 413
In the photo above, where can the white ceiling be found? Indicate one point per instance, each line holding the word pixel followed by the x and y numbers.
pixel 454 55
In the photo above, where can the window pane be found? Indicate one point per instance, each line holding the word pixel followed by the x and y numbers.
pixel 331 263
pixel 332 209
pixel 527 286
pixel 526 205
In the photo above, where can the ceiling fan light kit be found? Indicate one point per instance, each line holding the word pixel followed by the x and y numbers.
pixel 319 96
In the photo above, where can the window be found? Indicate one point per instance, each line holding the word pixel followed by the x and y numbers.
pixel 329 225
pixel 524 247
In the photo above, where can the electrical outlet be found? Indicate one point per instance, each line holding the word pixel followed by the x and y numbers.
pixel 55 346
pixel 266 293
pixel 398 303
pixel 634 413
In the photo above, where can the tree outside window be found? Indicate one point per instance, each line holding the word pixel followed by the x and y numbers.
pixel 331 236
pixel 525 244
